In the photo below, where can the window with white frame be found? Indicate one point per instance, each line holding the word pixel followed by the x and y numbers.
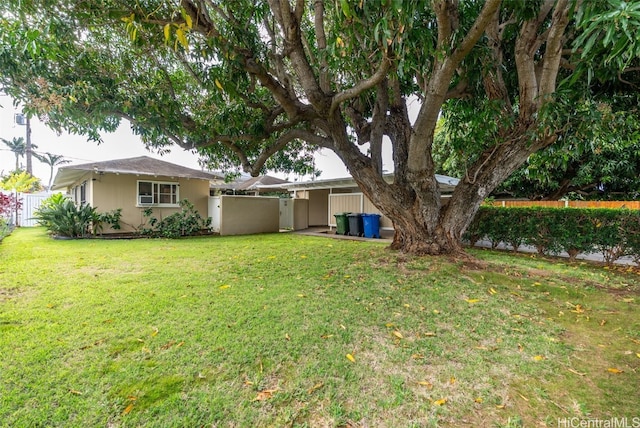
pixel 158 193
pixel 79 193
pixel 83 192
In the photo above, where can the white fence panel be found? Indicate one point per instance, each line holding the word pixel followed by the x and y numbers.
pixel 30 204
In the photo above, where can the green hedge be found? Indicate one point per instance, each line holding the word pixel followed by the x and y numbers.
pixel 612 232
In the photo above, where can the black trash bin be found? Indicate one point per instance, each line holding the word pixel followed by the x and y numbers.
pixel 342 223
pixel 355 224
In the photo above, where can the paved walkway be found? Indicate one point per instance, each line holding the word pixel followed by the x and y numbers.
pixel 387 237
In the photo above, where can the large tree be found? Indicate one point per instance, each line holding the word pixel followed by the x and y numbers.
pixel 262 84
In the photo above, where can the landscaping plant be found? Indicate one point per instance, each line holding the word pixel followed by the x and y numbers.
pixel 63 218
pixel 613 232
pixel 186 222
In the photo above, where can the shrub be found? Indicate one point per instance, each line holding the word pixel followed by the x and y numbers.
pixel 62 217
pixel 614 233
pixel 186 222
pixel 9 204
pixel 4 228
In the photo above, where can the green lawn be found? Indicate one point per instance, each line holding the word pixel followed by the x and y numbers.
pixel 289 330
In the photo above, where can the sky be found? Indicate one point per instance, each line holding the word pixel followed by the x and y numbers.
pixel 118 145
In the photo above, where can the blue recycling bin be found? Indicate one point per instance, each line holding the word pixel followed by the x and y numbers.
pixel 371 225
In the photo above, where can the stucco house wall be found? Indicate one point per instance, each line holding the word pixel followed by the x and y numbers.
pixel 108 191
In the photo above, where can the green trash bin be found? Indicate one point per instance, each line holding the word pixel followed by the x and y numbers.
pixel 342 223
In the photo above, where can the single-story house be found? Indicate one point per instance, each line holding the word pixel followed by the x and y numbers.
pixel 338 195
pixel 134 185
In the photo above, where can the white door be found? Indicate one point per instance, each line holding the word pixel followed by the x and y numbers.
pixel 215 203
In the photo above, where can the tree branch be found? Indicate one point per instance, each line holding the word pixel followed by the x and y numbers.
pixel 553 51
pixel 362 85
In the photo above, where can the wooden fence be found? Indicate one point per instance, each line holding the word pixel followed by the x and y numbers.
pixel 632 205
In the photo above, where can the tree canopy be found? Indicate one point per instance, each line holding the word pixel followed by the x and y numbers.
pixel 263 84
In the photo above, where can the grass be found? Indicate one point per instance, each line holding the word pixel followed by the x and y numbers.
pixel 288 330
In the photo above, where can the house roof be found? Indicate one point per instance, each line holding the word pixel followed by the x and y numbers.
pixel 142 165
pixel 447 184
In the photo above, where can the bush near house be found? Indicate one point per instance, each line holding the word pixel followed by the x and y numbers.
pixel 62 217
pixel 186 222
pixel 613 232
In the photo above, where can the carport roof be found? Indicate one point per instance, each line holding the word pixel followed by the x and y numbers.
pixel 447 184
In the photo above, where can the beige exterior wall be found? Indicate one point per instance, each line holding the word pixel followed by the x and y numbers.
pixel 318 207
pixel 108 192
pixel 300 214
pixel 244 215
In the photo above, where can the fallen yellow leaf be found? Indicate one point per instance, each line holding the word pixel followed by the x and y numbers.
pixel 429 334
pixel 538 358
pixel 638 354
pixel 154 333
pixel 127 409
pixel 452 380
pixel 473 300
pixel 389 324
pixel 492 291
pixel 351 358
pixel 537 284
pixel 478 400
pixel 265 394
pixel 75 392
pixel 218 84
pixel 286 336
pixel 315 388
pixel 222 287
pixel 398 334
pixel 614 370
pixel 429 385
pixel 500 406
pixel 440 402
pixel 578 309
